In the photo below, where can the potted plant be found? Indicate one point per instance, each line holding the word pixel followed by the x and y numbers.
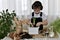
pixel 56 25
pixel 6 22
pixel 55 28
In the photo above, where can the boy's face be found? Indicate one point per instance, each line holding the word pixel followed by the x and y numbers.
pixel 37 10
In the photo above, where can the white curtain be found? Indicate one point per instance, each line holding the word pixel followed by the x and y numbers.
pixel 23 7
pixel 53 10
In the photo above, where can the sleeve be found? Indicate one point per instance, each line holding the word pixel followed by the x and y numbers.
pixel 44 17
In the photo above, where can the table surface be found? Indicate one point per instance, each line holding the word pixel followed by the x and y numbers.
pixel 38 37
pixel 42 36
pixel 46 38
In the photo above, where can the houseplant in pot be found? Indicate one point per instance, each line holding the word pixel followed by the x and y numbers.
pixel 56 26
pixel 6 22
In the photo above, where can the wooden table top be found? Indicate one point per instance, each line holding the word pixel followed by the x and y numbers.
pixel 43 36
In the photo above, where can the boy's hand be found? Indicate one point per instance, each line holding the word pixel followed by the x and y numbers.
pixel 39 23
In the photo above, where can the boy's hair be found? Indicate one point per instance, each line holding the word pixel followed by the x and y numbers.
pixel 37 4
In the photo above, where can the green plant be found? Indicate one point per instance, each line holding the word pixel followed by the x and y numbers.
pixel 34 21
pixel 6 22
pixel 56 25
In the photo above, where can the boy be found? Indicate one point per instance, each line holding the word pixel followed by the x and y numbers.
pixel 40 17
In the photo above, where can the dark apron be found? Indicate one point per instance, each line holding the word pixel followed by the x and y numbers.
pixel 39 19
